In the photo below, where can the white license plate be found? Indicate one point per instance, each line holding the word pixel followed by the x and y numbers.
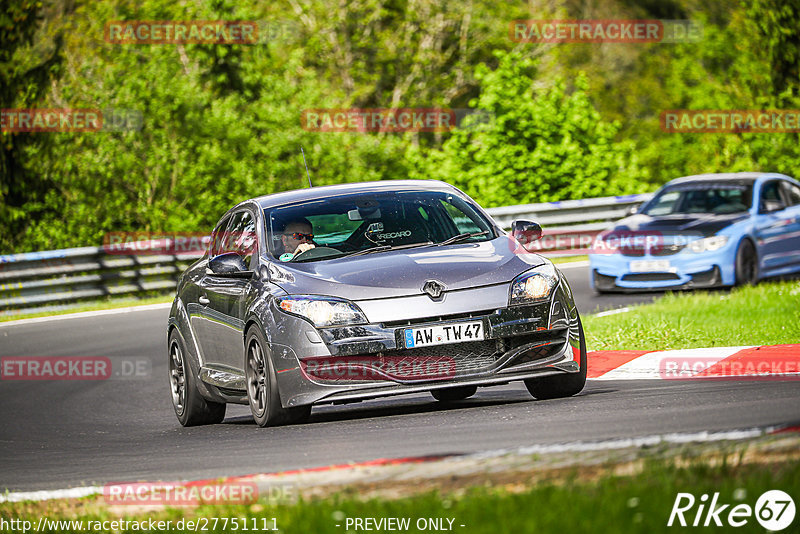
pixel 443 334
pixel 655 266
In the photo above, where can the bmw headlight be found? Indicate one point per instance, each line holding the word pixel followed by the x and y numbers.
pixel 534 285
pixel 322 311
pixel 708 244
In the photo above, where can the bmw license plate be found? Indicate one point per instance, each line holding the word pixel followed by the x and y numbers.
pixel 655 266
pixel 443 334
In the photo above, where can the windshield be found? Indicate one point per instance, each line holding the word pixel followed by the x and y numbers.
pixel 705 197
pixel 356 223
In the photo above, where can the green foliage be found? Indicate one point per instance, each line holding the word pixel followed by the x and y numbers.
pixel 221 123
pixel 540 144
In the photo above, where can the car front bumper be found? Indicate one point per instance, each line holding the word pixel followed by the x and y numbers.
pixel 684 270
pixel 520 342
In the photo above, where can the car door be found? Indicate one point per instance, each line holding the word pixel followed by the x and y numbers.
pixel 772 224
pixel 791 195
pixel 220 324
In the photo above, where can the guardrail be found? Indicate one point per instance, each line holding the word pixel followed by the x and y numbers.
pixel 56 279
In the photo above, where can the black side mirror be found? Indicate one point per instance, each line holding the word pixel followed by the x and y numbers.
pixel 526 231
pixel 229 264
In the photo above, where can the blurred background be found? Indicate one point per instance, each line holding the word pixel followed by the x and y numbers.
pixel 221 123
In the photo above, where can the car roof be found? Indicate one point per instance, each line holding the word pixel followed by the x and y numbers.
pixel 738 178
pixel 327 191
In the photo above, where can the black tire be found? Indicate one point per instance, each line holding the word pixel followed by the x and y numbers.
pixel 746 264
pixel 262 386
pixel 558 386
pixel 190 407
pixel 454 394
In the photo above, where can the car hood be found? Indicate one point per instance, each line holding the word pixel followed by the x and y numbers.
pixel 702 224
pixel 403 272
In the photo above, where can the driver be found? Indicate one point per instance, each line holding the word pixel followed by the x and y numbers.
pixel 297 238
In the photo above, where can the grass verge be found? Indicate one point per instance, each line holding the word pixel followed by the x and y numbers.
pixel 575 501
pixel 766 314
pixel 93 306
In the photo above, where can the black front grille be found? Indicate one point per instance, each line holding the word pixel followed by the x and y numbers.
pixel 632 251
pixel 666 250
pixel 442 361
pixel 650 277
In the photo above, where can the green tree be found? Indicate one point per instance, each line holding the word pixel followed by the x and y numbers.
pixel 544 143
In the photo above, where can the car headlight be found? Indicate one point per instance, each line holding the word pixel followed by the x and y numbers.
pixel 536 284
pixel 322 311
pixel 708 244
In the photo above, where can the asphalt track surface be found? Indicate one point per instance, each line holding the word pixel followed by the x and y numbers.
pixel 59 434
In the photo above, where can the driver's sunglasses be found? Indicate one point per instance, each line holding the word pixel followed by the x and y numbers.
pixel 300 236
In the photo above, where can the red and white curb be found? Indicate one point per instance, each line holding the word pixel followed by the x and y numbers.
pixel 772 362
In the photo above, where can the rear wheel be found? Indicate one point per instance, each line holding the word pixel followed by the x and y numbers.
pixel 262 387
pixel 190 407
pixel 746 264
pixel 454 394
pixel 564 385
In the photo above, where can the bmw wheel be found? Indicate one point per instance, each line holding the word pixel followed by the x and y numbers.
pixel 262 387
pixel 190 407
pixel 746 264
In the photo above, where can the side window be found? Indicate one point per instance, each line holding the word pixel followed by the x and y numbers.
pixel 770 197
pixel 463 221
pixel 241 235
pixel 217 238
pixel 792 193
pixel 665 203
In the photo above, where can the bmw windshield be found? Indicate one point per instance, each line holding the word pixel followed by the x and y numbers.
pixel 701 197
pixel 356 224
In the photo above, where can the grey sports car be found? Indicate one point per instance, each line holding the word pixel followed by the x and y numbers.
pixel 350 292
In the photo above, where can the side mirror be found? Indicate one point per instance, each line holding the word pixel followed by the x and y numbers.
pixel 229 264
pixel 632 210
pixel 526 231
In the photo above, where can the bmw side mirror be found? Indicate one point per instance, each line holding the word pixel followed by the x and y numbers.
pixel 229 264
pixel 526 231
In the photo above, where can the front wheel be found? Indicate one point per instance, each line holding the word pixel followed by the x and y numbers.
pixel 262 387
pixel 190 407
pixel 746 264
pixel 565 385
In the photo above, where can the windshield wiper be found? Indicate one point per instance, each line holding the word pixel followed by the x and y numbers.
pixel 383 248
pixel 461 237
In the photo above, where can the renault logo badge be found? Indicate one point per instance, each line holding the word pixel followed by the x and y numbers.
pixel 433 288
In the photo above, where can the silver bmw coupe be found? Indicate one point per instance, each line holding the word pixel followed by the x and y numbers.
pixel 350 292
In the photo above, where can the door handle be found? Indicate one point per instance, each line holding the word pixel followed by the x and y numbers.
pixel 203 300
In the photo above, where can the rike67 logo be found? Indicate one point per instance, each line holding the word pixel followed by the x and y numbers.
pixel 774 510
